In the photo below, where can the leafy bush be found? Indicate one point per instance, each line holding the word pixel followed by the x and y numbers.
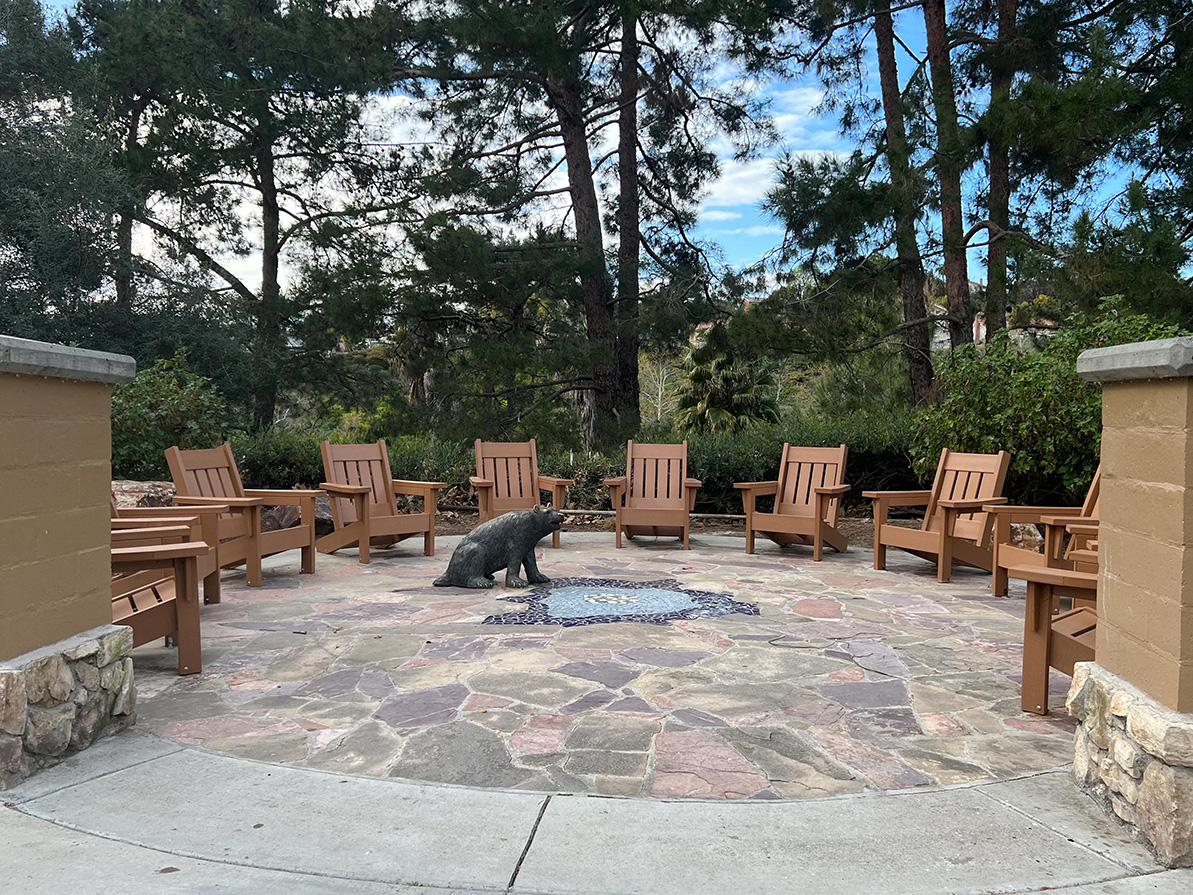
pixel 878 455
pixel 165 405
pixel 283 456
pixel 1030 404
pixel 288 455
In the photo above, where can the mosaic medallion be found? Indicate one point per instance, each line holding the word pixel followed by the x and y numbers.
pixel 590 601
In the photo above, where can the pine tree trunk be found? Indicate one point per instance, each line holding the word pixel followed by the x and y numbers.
pixel 916 334
pixel 628 258
pixel 596 285
pixel 1001 76
pixel 269 350
pixel 948 172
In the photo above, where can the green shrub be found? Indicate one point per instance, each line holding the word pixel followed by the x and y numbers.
pixel 283 456
pixel 1032 405
pixel 878 455
pixel 166 404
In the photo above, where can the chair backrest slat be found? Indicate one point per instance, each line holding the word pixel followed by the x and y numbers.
pixel 1093 497
pixel 512 467
pixel 966 477
pixel 655 475
pixel 804 469
pixel 205 473
pixel 359 464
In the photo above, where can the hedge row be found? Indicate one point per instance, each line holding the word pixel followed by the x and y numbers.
pixel 288 455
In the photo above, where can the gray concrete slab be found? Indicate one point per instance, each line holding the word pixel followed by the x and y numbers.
pixel 1054 801
pixel 200 805
pixel 41 858
pixel 125 750
pixel 1169 882
pixel 956 841
pixel 31 358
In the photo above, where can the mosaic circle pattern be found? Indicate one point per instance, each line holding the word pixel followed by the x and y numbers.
pixel 588 601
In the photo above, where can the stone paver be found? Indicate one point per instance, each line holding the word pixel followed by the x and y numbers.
pixel 848 679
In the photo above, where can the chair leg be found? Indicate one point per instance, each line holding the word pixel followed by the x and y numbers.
pixel 749 537
pixel 252 564
pixel 879 552
pixel 186 608
pixel 999 584
pixel 1037 630
pixel 211 587
pixel 818 543
pixel 555 539
pixel 617 530
pixel 686 532
pixel 944 560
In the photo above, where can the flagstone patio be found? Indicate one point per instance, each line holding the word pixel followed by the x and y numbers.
pixel 847 679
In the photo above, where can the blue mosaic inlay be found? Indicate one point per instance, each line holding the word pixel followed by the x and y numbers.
pixel 591 601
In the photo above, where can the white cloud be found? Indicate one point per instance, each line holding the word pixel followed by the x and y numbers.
pixel 742 183
pixel 709 216
pixel 756 230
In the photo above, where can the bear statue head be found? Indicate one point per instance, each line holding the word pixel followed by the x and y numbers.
pixel 549 519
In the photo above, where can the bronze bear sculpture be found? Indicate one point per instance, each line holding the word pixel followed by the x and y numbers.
pixel 506 542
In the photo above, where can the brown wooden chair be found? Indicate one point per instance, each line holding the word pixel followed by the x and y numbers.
pixel 155 588
pixel 507 479
pixel 364 502
pixel 956 525
pixel 807 496
pixel 1054 554
pixel 655 496
pixel 210 478
pixel 1052 639
pixel 204 524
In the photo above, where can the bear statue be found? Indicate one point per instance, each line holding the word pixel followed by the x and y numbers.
pixel 506 542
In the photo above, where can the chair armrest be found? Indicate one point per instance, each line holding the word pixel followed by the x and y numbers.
pixel 970 506
pixel 547 482
pixel 160 531
pixel 477 482
pixel 345 490
pixel 1015 510
pixel 417 489
pixel 1066 519
pixel 279 498
pixel 899 498
pixel 693 483
pixel 156 553
pixel 1086 529
pixel 760 489
pixel 124 523
pixel 618 482
pixel 230 502
pixel 835 490
pixel 149 513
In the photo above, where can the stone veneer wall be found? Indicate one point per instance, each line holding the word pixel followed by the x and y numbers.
pixel 57 700
pixel 1135 757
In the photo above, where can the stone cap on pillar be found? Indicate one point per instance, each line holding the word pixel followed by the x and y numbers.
pixel 30 358
pixel 1158 359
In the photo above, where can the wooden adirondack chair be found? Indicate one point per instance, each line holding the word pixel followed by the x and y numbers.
pixel 655 496
pixel 155 588
pixel 807 496
pixel 1052 640
pixel 364 502
pixel 956 524
pixel 204 524
pixel 507 479
pixel 1007 556
pixel 210 478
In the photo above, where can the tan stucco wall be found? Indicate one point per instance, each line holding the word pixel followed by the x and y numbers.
pixel 55 474
pixel 1145 615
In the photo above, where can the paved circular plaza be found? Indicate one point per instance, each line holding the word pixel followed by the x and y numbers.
pixel 788 679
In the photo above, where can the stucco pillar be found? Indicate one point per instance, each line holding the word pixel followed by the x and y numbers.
pixel 1133 748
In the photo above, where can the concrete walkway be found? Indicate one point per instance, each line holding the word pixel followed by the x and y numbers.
pixel 150 815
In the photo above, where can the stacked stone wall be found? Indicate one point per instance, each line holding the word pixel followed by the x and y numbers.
pixel 1135 757
pixel 58 700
